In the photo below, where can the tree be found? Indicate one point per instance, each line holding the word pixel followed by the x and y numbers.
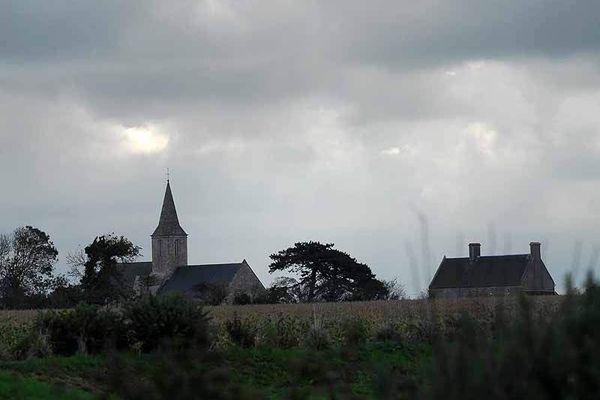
pixel 63 294
pixel 394 290
pixel 284 290
pixel 326 274
pixel 27 259
pixel 100 282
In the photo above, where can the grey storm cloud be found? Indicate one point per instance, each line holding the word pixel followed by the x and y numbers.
pixel 342 121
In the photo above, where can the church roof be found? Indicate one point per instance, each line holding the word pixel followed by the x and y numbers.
pixel 129 271
pixel 484 271
pixel 185 278
pixel 168 225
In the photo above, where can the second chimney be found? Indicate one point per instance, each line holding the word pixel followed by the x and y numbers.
pixel 474 251
pixel 535 251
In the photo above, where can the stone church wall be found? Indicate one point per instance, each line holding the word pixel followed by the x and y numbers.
pixel 245 281
pixel 168 252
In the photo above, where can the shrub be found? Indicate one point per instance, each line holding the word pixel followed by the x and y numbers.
pixel 35 344
pixel 355 332
pixel 84 329
pixel 242 299
pixel 212 294
pixel 14 339
pixel 317 339
pixel 388 332
pixel 156 321
pixel 283 332
pixel 241 332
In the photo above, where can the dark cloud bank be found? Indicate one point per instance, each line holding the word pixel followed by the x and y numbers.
pixel 359 123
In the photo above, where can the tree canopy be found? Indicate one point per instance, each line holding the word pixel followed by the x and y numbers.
pixel 27 259
pixel 101 281
pixel 324 274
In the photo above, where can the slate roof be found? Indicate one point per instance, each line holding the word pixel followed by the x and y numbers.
pixel 185 278
pixel 168 224
pixel 485 271
pixel 130 270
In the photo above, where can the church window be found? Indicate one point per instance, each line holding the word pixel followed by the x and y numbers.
pixel 159 247
pixel 176 246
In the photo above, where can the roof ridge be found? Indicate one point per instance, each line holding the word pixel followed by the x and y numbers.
pixel 211 265
pixel 489 256
pixel 505 255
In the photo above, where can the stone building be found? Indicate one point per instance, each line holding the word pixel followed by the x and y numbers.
pixel 477 276
pixel 169 271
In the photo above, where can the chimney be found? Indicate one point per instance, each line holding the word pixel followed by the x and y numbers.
pixel 535 252
pixel 474 251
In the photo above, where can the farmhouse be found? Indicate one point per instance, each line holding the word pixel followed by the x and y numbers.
pixel 478 275
pixel 169 271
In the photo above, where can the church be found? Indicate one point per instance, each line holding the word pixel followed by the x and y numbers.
pixel 169 271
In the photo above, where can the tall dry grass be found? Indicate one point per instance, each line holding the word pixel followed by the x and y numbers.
pixel 386 309
pixel 370 310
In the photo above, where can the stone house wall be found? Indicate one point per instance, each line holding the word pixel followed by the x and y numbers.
pixel 454 293
pixel 537 278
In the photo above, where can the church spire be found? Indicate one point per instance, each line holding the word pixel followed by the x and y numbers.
pixel 168 225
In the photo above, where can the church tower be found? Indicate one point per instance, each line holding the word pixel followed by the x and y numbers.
pixel 169 240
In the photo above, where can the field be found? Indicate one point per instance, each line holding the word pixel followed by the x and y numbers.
pixel 352 350
pixel 382 311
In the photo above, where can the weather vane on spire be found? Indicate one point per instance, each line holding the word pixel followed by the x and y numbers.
pixel 168 175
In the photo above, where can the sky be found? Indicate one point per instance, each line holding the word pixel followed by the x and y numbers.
pixel 400 131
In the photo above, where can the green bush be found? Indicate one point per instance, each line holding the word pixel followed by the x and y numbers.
pixel 157 321
pixel 355 332
pixel 317 338
pixel 282 332
pixel 84 329
pixel 14 339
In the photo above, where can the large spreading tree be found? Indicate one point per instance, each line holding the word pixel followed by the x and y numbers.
pixel 323 273
pixel 27 259
pixel 101 280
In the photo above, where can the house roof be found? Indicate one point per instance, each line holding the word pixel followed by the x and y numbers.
pixel 186 277
pixel 485 271
pixel 168 224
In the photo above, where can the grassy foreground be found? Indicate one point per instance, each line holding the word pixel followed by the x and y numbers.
pixel 14 386
pixel 258 373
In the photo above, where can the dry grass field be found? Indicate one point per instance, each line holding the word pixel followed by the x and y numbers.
pixel 375 311
pixel 384 310
pixel 18 316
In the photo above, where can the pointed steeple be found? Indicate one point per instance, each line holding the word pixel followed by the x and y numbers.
pixel 168 225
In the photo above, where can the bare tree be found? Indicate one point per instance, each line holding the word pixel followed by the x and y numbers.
pixel 76 262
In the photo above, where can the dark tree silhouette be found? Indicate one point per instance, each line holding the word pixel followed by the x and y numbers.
pixel 326 274
pixel 211 293
pixel 101 281
pixel 27 259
